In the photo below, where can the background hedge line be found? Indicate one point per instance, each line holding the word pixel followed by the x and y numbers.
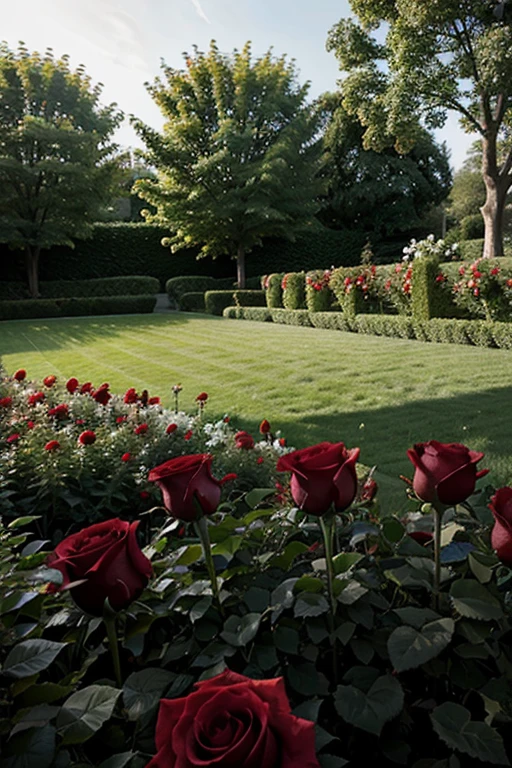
pixel 134 285
pixel 75 307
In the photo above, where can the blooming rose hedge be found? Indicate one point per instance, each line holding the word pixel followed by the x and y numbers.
pixel 294 630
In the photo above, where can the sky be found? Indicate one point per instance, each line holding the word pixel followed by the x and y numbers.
pixel 122 43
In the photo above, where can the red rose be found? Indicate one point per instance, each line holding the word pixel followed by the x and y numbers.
pixel 5 402
pixel 154 401
pixel 52 445
pixel 445 472
pixel 244 440
pixel 107 555
pixel 202 397
pixel 231 720
pixel 130 396
pixel 102 395
pixel 187 481
pixel 260 460
pixel 20 375
pixel 13 438
pixel 36 398
pixel 188 434
pixel 141 429
pixel 121 419
pixel 126 457
pixel 60 411
pixel 31 424
pixel 85 388
pixel 322 475
pixel 171 428
pixel 264 427
pixel 49 381
pixel 72 385
pixel 87 437
pixel 501 536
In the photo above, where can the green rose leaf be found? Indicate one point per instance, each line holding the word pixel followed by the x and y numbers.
pixel 240 630
pixel 310 604
pixel 472 600
pixel 408 648
pixel 83 714
pixel 370 711
pixel 345 560
pixel 31 657
pixel 118 761
pixel 31 748
pixel 143 690
pixel 454 726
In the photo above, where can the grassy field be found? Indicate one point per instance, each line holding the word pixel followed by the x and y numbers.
pixel 381 394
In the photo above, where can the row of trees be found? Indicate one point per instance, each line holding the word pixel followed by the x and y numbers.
pixel 244 156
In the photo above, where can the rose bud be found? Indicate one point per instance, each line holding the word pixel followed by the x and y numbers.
pixel 264 427
pixel 501 535
pixel 244 440
pixel 231 720
pixel 72 385
pixel 445 472
pixel 20 374
pixel 108 557
pixel 188 486
pixel 49 381
pixel 322 476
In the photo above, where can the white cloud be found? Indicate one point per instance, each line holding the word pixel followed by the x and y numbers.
pixel 200 12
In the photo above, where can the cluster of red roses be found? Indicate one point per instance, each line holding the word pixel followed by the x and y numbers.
pixel 319 280
pixel 363 281
pixel 404 276
pixel 208 726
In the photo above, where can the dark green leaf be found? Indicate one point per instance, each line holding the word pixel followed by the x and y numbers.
pixel 393 529
pixel 370 711
pixel 31 748
pixel 31 656
pixel 291 551
pixel 83 714
pixel 416 617
pixel 143 690
pixel 452 723
pixel 308 710
pixel 409 648
pixel 286 639
pixel 306 680
pixel 257 599
pixel 352 593
pixel 257 495
pixel 345 560
pixel 473 600
pixel 310 604
pixel 239 631
pixel 118 761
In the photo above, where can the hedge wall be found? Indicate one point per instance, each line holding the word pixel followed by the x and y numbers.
pixel 70 307
pixel 103 286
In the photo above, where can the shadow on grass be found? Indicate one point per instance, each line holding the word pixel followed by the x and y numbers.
pixel 480 420
pixel 46 334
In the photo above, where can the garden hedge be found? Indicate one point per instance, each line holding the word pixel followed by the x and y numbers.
pixel 294 290
pixel 274 290
pixel 75 307
pixel 133 285
pixel 192 302
pixel 175 287
pixel 249 298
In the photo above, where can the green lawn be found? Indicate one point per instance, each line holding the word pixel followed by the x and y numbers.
pixel 381 394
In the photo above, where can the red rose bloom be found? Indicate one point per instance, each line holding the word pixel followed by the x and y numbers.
pixel 80 422
pixel 107 555
pixel 52 445
pixel 102 395
pixel 72 385
pixel 202 397
pixel 59 412
pixel 20 375
pixel 36 398
pixel 260 460
pixel 141 429
pixel 501 535
pixel 130 396
pixel 187 483
pixel 231 720
pixel 154 401
pixel 444 472
pixel 322 476
pixel 244 440
pixel 31 424
pixel 5 402
pixel 171 428
pixel 49 381
pixel 188 434
pixel 126 457
pixel 87 437
pixel 264 427
pixel 121 419
pixel 13 438
pixel 85 388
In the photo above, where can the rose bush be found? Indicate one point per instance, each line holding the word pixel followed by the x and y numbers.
pixel 323 476
pixel 107 558
pixel 444 472
pixel 231 720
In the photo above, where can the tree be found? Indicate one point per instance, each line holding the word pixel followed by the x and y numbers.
pixel 56 161
pixel 238 157
pixel 379 192
pixel 437 56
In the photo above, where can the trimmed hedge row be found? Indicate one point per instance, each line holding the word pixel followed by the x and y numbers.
pixel 480 333
pixel 192 302
pixel 133 285
pixel 76 307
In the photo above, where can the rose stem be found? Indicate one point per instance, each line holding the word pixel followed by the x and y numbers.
pixel 201 527
pixel 110 623
pixel 327 528
pixel 438 519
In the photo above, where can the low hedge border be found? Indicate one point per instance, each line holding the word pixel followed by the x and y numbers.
pixel 76 307
pixel 135 285
pixel 192 302
pixel 479 333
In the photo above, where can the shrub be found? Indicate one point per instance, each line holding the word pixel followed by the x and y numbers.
pixel 472 227
pixel 294 290
pixel 216 301
pixel 430 292
pixel 260 314
pixel 357 289
pixel 291 316
pixel 175 287
pixel 192 302
pixel 94 305
pixel 134 285
pixel 274 292
pixel 319 296
pixel 249 298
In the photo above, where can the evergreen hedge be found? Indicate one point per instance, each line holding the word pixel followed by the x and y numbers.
pixel 134 285
pixel 192 302
pixel 294 290
pixel 248 298
pixel 75 307
pixel 274 291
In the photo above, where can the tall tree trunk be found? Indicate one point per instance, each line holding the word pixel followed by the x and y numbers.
pixel 32 265
pixel 240 266
pixel 496 193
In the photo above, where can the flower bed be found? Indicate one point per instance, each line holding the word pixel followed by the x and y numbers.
pixel 295 629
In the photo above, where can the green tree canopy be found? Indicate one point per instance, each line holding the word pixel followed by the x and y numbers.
pixel 56 160
pixel 379 192
pixel 238 157
pixel 416 59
